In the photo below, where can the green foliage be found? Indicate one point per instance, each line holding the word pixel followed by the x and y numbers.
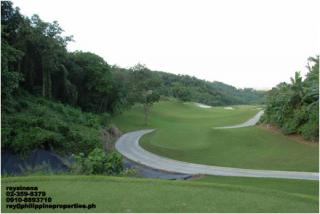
pixel 310 128
pixel 181 92
pixel 36 122
pixel 9 77
pixel 98 162
pixel 294 107
pixel 36 50
pixel 210 93
pixel 92 78
pixel 144 88
pixel 10 83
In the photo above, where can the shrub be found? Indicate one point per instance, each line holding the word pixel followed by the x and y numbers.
pixel 35 122
pixel 98 162
pixel 310 130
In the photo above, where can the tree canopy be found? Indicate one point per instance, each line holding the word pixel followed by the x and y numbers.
pixel 294 106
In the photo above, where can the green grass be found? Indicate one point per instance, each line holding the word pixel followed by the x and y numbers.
pixel 177 114
pixel 184 132
pixel 303 187
pixel 212 194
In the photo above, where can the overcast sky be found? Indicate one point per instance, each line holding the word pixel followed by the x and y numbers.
pixel 243 43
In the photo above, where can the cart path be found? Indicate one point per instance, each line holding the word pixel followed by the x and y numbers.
pixel 128 146
pixel 251 122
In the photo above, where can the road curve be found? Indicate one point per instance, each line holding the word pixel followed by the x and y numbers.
pixel 128 145
pixel 251 122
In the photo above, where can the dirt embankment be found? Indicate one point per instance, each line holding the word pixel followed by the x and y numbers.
pixel 109 136
pixel 296 137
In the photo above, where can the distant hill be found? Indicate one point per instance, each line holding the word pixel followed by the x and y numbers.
pixel 210 93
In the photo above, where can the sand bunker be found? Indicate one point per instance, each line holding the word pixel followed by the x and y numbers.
pixel 202 105
pixel 228 108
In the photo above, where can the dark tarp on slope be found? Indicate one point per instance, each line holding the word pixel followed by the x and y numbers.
pixel 148 172
pixel 14 164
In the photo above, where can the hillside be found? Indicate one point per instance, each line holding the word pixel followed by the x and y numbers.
pixel 34 122
pixel 210 93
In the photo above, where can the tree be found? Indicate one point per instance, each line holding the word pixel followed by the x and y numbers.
pixel 144 85
pixel 181 92
pixel 121 89
pixel 43 46
pixel 93 80
pixel 10 56
pixel 50 47
pixel 294 107
pixel 10 78
pixel 297 89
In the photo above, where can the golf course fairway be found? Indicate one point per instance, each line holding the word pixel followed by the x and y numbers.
pixel 186 132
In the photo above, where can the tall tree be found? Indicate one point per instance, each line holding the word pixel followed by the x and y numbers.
pixel 10 56
pixel 294 107
pixel 94 82
pixel 144 88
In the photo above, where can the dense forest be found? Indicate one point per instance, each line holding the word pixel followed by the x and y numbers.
pixel 294 107
pixel 210 93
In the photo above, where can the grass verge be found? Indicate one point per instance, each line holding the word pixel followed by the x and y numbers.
pixel 114 194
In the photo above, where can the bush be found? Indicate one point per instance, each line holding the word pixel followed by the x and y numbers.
pixel 310 130
pixel 289 127
pixel 35 136
pixel 35 122
pixel 98 162
pixel 294 107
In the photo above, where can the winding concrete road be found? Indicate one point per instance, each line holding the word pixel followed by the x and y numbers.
pixel 128 145
pixel 251 122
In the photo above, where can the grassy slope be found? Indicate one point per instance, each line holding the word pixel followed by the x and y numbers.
pixel 184 132
pixel 113 194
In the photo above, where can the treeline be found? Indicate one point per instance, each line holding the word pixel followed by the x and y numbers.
pixel 35 58
pixel 211 93
pixel 294 107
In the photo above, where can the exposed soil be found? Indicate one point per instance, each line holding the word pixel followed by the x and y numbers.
pixel 109 136
pixel 296 137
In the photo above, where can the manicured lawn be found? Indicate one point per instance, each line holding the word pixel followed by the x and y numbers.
pixel 250 147
pixel 177 114
pixel 212 194
pixel 303 187
pixel 185 132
